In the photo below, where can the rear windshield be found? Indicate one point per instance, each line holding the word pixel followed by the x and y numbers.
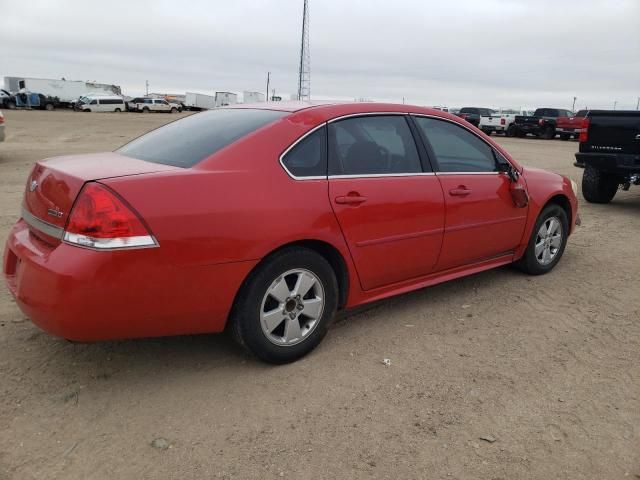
pixel 185 142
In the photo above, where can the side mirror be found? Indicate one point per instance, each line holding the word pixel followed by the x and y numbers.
pixel 506 167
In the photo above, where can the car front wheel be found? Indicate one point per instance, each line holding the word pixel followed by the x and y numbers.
pixel 547 242
pixel 285 307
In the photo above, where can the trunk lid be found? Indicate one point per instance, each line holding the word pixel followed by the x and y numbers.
pixel 54 185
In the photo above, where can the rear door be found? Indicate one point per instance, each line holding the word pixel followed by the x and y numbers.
pixel 389 204
pixel 482 220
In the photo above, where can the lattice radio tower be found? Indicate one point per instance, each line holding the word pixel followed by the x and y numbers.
pixel 304 74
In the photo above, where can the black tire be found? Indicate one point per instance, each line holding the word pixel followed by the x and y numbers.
pixel 487 132
pixel 11 105
pixel 549 133
pixel 598 186
pixel 48 107
pixel 565 136
pixel 520 133
pixel 145 110
pixel 117 110
pixel 174 109
pixel 529 262
pixel 86 110
pixel 511 131
pixel 245 322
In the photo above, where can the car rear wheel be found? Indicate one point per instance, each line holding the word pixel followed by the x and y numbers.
pixel 174 109
pixel 598 186
pixel 547 242
pixel 118 110
pixel 48 107
pixel 285 307
pixel 511 131
pixel 145 110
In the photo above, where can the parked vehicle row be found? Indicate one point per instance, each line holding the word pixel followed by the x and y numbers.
pixel 367 184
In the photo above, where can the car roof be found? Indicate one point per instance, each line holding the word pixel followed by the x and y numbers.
pixel 331 108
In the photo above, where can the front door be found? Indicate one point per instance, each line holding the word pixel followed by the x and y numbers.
pixel 390 209
pixel 482 220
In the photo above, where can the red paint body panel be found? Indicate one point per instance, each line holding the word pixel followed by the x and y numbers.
pixel 482 223
pixel 216 221
pixel 396 233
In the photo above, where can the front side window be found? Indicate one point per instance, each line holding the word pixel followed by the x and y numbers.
pixel 185 142
pixel 308 158
pixel 372 145
pixel 94 102
pixel 455 148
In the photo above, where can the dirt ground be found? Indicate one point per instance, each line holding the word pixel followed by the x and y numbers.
pixel 548 367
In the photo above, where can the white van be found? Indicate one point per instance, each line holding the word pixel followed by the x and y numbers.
pixel 101 103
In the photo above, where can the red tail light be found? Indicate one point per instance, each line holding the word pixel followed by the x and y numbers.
pixel 1 120
pixel 100 219
pixel 584 130
pixel 503 121
pixel 541 121
pixel 463 116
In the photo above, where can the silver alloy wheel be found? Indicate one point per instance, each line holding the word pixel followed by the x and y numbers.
pixel 548 240
pixel 292 307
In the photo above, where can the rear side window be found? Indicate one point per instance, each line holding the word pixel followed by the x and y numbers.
pixel 185 142
pixel 372 145
pixel 456 149
pixel 308 158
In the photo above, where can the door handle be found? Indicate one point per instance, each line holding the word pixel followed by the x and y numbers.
pixel 352 198
pixel 461 191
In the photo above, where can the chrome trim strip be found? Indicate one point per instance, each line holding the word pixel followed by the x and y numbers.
pixel 318 177
pixel 365 114
pixel 442 174
pixel 45 227
pixel 85 241
pixel 382 175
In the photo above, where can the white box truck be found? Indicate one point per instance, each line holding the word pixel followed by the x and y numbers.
pixel 67 91
pixel 226 98
pixel 198 101
pixel 252 97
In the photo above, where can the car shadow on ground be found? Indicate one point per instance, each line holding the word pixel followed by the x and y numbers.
pixel 174 356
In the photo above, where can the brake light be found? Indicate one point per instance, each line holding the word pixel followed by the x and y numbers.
pixel 584 130
pixel 100 219
pixel 463 116
pixel 541 121
pixel 503 121
pixel 1 120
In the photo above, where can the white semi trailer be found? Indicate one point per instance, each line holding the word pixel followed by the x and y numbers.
pixel 226 98
pixel 67 91
pixel 252 97
pixel 199 101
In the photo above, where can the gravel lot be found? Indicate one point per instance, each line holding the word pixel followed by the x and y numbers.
pixel 495 376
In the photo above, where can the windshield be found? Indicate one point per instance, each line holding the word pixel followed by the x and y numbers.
pixel 185 142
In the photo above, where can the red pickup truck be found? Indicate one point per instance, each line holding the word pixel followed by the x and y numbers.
pixel 568 127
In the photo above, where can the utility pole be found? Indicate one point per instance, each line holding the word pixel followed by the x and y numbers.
pixel 638 104
pixel 614 104
pixel 573 109
pixel 268 78
pixel 304 73
pixel 147 85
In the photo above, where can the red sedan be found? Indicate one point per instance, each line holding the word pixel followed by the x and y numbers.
pixel 267 220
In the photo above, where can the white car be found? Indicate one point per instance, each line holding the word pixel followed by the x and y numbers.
pixel 502 122
pixel 1 127
pixel 146 105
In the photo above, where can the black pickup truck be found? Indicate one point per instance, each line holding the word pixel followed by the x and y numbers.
pixel 542 124
pixel 474 114
pixel 609 153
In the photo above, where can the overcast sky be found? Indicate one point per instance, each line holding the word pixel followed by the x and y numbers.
pixel 497 53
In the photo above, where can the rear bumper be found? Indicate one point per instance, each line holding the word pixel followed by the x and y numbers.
pixel 526 128
pixel 612 162
pixel 87 295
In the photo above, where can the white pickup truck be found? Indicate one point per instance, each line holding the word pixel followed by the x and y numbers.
pixel 502 122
